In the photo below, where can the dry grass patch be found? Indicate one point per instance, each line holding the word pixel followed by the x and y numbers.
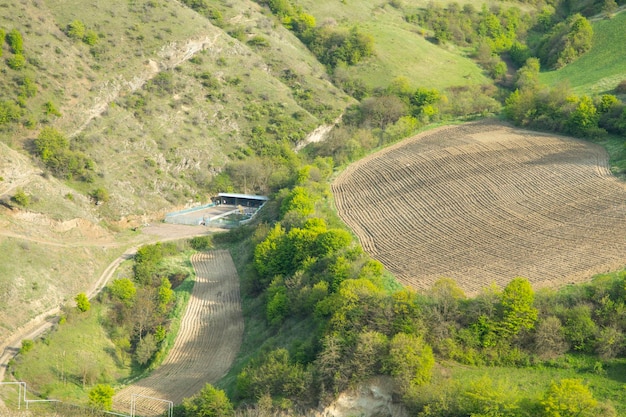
pixel 484 203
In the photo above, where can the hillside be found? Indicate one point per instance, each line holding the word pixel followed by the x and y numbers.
pixel 601 69
pixel 115 113
pixel 155 145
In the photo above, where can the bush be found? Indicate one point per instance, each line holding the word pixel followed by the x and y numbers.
pixel 101 397
pixel 15 41
pixel 99 195
pixel 27 346
pixel 16 62
pixel 201 242
pixel 82 302
pixel 76 30
pixel 90 38
pixel 21 198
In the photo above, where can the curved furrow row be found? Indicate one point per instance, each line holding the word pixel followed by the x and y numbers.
pixel 484 203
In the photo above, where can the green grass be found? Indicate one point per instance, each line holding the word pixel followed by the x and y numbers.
pixel 53 368
pixel 607 381
pixel 400 48
pixel 603 67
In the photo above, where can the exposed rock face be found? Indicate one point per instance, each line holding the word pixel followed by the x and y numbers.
pixel 371 399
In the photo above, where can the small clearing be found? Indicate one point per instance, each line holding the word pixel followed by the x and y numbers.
pixel 208 340
pixel 484 203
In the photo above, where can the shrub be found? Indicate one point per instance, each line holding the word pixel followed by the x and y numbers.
pixel 15 41
pixel 27 346
pixel 21 198
pixel 90 38
pixel 82 302
pixel 76 30
pixel 201 242
pixel 101 397
pixel 99 195
pixel 16 62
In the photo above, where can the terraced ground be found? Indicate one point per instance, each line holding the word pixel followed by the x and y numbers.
pixel 208 341
pixel 485 202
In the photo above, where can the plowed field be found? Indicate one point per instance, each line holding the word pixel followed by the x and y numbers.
pixel 483 203
pixel 207 343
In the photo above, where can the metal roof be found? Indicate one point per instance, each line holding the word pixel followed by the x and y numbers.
pixel 247 196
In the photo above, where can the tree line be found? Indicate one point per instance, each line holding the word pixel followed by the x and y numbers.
pixel 354 322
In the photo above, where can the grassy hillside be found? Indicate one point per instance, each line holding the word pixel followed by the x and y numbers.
pixel 400 49
pixel 603 67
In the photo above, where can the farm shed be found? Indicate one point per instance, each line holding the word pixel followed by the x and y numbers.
pixel 244 200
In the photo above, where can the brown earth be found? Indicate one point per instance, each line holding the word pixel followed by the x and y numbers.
pixel 208 341
pixel 484 203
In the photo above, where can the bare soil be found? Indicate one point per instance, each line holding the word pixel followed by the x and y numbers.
pixel 484 203
pixel 208 341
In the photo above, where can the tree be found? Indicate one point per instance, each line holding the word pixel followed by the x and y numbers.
pixel 15 41
pixel 209 402
pixel 165 295
pixel 550 339
pixel 580 328
pixel 382 111
pixel 76 30
pixel 518 312
pixel 410 361
pixel 584 119
pixel 486 399
pixel 145 349
pixel 101 397
pixel 299 200
pixel 124 290
pixel 609 8
pixel 568 398
pixel 82 302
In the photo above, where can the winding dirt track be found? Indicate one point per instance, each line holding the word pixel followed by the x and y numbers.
pixel 484 202
pixel 208 341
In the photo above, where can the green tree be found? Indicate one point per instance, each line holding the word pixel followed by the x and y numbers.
pixel 101 397
pixel 580 329
pixel 82 302
pixel 9 111
pixel 410 361
pixel 209 402
pixel 518 312
pixel 299 200
pixel 15 41
pixel 485 399
pixel 2 39
pixel 583 121
pixel 568 398
pixel 165 295
pixel 124 290
pixel 27 346
pixel 76 30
